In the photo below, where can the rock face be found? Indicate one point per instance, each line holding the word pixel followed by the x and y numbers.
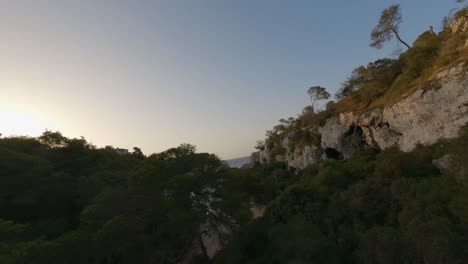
pixel 460 25
pixel 299 157
pixel 307 156
pixel 429 115
pixel 436 110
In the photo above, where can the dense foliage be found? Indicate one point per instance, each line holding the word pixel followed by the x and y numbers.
pixel 377 207
pixel 64 201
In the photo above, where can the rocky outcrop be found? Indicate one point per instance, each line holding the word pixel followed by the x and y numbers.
pixel 438 109
pixel 460 25
pixel 303 157
pixel 435 110
pixel 434 113
pixel 257 211
pixel 299 156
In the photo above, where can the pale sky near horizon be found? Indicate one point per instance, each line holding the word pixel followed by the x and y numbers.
pixel 155 74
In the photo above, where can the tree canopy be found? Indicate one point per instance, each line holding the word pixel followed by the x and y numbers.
pixel 62 200
pixel 316 94
pixel 387 27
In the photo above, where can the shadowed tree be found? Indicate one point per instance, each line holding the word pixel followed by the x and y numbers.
pixel 317 93
pixel 53 139
pixel 138 153
pixel 388 26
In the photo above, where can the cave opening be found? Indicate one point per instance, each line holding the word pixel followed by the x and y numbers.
pixel 332 153
pixel 353 139
pixel 355 132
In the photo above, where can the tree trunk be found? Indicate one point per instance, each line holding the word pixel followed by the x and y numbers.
pixel 202 247
pixel 398 37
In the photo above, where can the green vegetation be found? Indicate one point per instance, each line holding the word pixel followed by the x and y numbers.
pixel 388 27
pixel 387 207
pixel 65 201
pixel 377 207
pixel 385 81
pixel 317 93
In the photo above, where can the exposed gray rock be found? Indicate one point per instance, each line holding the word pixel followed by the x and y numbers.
pixel 308 155
pixel 288 142
pixel 257 211
pixel 436 110
pixel 265 156
pixel 333 131
pixel 429 115
pixel 460 25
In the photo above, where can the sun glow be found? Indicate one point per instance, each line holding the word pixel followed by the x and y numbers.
pixel 21 122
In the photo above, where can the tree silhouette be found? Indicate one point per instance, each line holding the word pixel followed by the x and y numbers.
pixel 317 93
pixel 388 26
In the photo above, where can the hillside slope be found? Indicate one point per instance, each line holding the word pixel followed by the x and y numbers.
pixel 415 108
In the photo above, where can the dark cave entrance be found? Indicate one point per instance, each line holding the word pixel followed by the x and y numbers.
pixel 353 140
pixel 333 154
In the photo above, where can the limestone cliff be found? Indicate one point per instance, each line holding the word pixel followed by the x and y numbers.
pixel 436 110
pixel 433 110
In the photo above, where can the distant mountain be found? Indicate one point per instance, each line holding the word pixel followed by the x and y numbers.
pixel 237 163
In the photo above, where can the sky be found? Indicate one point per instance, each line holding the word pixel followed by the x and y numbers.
pixel 155 74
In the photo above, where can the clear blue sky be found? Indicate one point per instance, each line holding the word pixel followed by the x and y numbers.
pixel 155 74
